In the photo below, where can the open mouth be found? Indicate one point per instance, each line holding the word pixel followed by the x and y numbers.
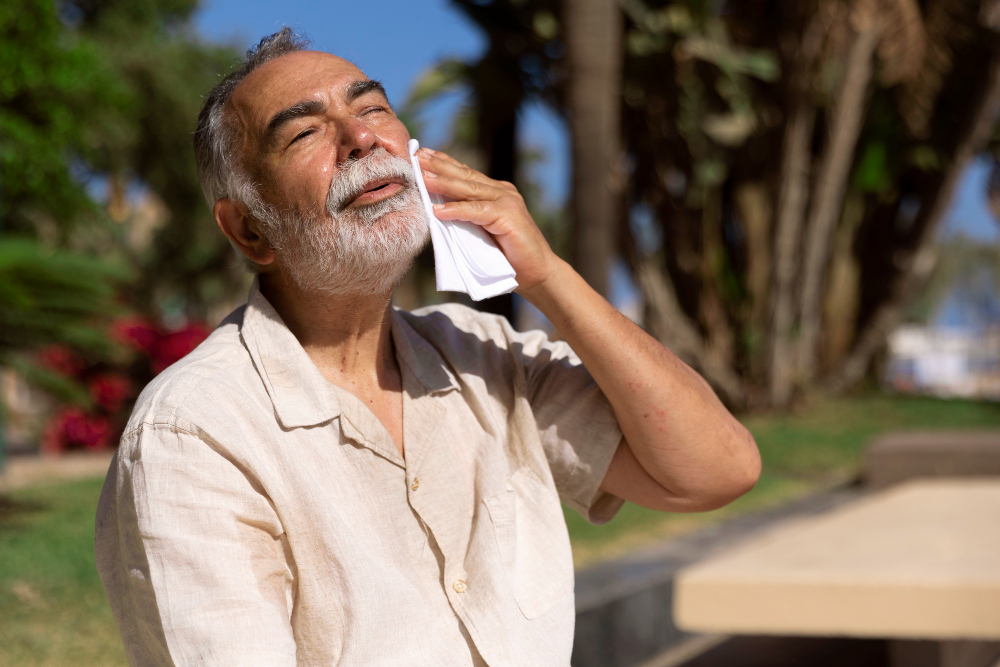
pixel 378 190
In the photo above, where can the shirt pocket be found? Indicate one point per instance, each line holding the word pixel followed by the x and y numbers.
pixel 534 545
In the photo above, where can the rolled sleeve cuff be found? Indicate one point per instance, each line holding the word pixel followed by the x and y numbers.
pixel 597 506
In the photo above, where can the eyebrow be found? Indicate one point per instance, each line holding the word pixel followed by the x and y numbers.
pixel 315 107
pixel 363 87
pixel 285 116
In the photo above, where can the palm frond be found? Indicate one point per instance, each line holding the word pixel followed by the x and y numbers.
pixel 53 296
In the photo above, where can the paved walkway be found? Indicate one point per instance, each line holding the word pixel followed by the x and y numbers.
pixel 21 471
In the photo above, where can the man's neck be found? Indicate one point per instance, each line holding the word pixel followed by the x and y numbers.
pixel 348 338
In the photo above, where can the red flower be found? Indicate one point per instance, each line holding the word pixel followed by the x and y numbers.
pixel 137 334
pixel 109 390
pixel 73 427
pixel 174 346
pixel 60 359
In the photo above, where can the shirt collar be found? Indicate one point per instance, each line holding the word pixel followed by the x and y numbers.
pixel 300 394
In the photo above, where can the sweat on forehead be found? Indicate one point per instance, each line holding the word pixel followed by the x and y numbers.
pixel 288 81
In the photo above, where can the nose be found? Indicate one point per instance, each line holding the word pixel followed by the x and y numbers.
pixel 357 140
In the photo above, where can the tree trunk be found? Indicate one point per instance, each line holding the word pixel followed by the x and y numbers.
pixel 843 289
pixel 917 264
pixel 792 200
pixel 499 92
pixel 594 55
pixel 831 182
pixel 669 324
pixel 754 206
pixel 711 307
pixel 753 202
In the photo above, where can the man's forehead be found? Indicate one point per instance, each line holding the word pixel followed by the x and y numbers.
pixel 289 79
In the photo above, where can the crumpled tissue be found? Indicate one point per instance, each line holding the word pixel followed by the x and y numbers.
pixel 466 259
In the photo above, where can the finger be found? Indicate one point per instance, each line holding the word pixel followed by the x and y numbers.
pixel 478 212
pixel 461 189
pixel 443 156
pixel 451 167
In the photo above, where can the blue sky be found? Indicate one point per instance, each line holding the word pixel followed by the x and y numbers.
pixel 969 213
pixel 395 40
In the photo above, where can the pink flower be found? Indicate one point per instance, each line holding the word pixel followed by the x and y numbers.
pixel 72 427
pixel 60 359
pixel 138 334
pixel 97 434
pixel 109 390
pixel 178 344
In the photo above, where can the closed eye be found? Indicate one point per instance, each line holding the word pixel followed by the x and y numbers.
pixel 302 135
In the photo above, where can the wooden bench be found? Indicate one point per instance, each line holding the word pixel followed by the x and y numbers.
pixel 918 563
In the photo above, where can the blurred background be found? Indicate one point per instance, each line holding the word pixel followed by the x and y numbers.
pixel 799 198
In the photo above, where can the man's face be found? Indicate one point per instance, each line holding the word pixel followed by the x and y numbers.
pixel 330 157
pixel 304 115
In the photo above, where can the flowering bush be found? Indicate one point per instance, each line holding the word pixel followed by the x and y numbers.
pixel 72 428
pixel 162 348
pixel 111 386
pixel 61 360
pixel 109 391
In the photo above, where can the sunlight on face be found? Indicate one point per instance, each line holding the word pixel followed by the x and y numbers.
pixel 341 208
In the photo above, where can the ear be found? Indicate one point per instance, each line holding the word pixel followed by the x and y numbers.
pixel 235 222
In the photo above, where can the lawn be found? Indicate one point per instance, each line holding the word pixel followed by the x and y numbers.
pixel 52 607
pixel 53 610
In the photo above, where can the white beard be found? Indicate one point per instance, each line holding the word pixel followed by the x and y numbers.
pixel 356 251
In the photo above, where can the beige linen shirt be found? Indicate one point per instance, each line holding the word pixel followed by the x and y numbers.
pixel 256 514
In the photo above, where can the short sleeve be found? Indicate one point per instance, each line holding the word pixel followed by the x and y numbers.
pixel 192 556
pixel 578 428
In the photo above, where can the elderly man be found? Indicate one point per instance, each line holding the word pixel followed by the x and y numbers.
pixel 328 480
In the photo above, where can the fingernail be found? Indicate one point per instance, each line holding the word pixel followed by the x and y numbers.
pixel 429 150
pixel 438 207
pixel 430 174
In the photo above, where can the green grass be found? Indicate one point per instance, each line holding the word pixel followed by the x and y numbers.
pixel 53 610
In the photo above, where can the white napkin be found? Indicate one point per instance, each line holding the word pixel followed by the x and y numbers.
pixel 466 259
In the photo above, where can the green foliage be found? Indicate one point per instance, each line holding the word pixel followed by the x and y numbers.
pixel 58 97
pixel 168 70
pixel 872 173
pixel 108 92
pixel 52 296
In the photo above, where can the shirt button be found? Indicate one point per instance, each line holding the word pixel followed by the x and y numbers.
pixel 415 485
pixel 459 586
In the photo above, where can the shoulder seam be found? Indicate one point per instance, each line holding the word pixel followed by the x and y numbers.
pixel 158 424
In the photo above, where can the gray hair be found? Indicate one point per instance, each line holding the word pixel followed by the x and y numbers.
pixel 216 141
